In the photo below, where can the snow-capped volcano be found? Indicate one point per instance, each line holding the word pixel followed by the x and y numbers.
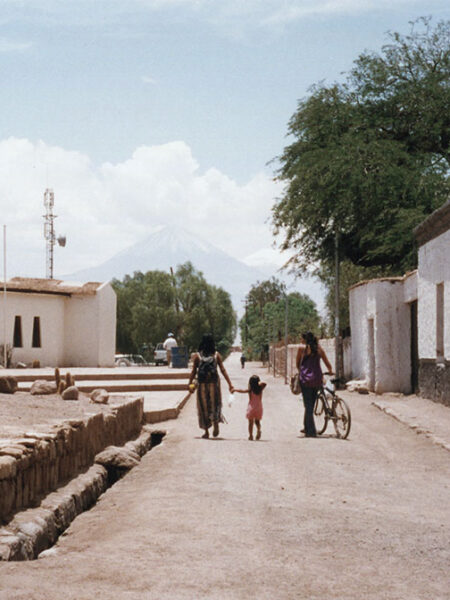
pixel 169 247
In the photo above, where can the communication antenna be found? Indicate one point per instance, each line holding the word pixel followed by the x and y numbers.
pixel 49 231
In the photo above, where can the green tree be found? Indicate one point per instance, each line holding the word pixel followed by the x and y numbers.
pixel 264 320
pixel 370 157
pixel 153 303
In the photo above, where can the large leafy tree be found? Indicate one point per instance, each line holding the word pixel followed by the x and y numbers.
pixel 264 319
pixel 151 304
pixel 370 157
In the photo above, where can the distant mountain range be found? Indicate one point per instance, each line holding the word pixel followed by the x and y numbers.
pixel 169 247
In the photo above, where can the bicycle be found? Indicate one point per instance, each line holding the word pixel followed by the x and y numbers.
pixel 330 407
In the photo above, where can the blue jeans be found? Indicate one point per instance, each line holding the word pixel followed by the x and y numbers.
pixel 309 400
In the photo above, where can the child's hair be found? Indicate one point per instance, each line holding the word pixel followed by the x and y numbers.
pixel 253 384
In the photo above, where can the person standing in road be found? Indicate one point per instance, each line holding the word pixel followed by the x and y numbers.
pixel 243 359
pixel 255 407
pixel 309 355
pixel 169 343
pixel 209 397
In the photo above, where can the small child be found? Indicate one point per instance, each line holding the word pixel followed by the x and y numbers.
pixel 255 407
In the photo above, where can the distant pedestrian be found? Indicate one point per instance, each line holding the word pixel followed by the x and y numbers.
pixel 255 408
pixel 209 397
pixel 169 343
pixel 243 359
pixel 309 355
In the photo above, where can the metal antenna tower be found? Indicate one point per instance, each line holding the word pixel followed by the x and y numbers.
pixel 49 231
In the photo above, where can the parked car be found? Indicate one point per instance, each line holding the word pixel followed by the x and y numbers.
pixel 160 354
pixel 129 360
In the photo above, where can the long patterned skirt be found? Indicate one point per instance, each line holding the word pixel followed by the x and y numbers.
pixel 209 404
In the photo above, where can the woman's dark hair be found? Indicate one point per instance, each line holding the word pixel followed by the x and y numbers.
pixel 253 384
pixel 311 341
pixel 207 346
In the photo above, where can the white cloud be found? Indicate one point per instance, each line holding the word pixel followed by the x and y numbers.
pixel 149 80
pixel 104 209
pixel 11 46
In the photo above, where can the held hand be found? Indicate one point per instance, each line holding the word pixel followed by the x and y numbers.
pixel 231 388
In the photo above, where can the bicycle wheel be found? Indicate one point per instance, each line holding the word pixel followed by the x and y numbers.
pixel 320 414
pixel 342 418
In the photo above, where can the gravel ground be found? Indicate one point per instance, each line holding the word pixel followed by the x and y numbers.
pixel 285 517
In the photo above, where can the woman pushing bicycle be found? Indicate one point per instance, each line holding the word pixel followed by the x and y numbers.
pixel 309 355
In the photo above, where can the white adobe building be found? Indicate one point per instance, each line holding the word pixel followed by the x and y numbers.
pixel 383 322
pixel 401 325
pixel 59 323
pixel 433 237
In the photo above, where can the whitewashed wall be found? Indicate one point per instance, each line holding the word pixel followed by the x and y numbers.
pixel 383 358
pixel 50 309
pixel 107 307
pixel 76 331
pixel 434 268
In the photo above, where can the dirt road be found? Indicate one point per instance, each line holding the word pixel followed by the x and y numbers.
pixel 285 517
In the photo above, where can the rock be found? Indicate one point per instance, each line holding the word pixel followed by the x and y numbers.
pixel 8 385
pixel 70 393
pixel 360 386
pixel 118 457
pixel 100 396
pixel 21 365
pixel 8 467
pixel 13 383
pixel 4 386
pixel 42 387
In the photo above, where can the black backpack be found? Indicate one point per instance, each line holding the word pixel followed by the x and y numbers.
pixel 207 369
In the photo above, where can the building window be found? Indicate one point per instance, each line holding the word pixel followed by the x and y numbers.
pixel 440 320
pixel 36 332
pixel 17 332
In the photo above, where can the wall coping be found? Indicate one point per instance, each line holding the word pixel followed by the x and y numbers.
pixel 434 225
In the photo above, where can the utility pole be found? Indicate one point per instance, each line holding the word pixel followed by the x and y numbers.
pixel 5 351
pixel 286 307
pixel 337 328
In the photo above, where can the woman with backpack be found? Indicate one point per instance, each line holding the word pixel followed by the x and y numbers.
pixel 209 398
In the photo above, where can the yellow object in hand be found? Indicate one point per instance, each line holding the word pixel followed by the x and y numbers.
pixel 192 387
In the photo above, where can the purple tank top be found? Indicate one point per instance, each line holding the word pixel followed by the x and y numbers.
pixel 310 372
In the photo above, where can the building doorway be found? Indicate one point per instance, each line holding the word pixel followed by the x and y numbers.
pixel 414 348
pixel 371 349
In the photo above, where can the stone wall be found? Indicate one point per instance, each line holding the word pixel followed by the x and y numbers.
pixel 277 357
pixel 434 380
pixel 38 463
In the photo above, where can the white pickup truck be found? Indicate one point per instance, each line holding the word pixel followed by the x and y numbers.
pixel 160 355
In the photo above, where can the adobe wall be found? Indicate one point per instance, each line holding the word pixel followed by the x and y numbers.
pixel 277 357
pixel 36 464
pixel 434 269
pixel 50 310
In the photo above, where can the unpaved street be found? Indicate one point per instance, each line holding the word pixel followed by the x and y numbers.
pixel 285 517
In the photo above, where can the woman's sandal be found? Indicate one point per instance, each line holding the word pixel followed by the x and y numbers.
pixel 205 436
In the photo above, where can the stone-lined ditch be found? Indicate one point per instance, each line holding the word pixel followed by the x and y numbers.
pixel 35 530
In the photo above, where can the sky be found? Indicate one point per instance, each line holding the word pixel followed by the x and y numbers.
pixel 139 113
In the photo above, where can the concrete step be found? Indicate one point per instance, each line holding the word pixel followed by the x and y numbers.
pixel 112 374
pixel 116 386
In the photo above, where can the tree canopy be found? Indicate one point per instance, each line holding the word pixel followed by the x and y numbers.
pixel 264 320
pixel 370 157
pixel 151 304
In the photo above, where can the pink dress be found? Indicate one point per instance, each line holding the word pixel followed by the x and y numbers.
pixel 255 407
